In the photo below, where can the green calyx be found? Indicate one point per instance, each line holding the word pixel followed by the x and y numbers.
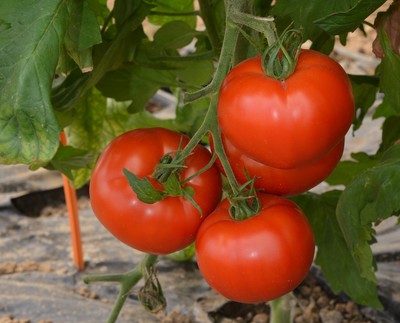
pixel 280 58
pixel 244 203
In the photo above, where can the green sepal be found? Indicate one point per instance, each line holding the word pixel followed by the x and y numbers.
pixel 173 186
pixel 187 193
pixel 143 188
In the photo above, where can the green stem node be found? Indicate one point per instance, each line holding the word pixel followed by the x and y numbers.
pixel 127 281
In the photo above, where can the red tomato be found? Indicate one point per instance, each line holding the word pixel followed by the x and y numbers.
pixel 290 123
pixel 165 226
pixel 257 259
pixel 280 181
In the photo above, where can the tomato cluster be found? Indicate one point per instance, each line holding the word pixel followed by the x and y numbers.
pixel 287 135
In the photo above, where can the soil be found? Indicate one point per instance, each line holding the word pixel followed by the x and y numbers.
pixel 46 268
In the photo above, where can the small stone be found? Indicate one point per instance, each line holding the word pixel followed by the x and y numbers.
pixel 308 313
pixel 6 319
pixel 352 308
pixel 260 318
pixel 299 319
pixel 8 268
pixel 340 307
pixel 303 302
pixel 316 292
pixel 331 316
pixel 322 301
pixel 305 290
pixel 86 292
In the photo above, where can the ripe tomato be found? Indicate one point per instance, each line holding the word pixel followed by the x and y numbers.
pixel 290 123
pixel 280 181
pixel 165 226
pixel 257 259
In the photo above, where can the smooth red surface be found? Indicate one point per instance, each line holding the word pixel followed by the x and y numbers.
pixel 165 226
pixel 258 259
pixel 287 182
pixel 290 123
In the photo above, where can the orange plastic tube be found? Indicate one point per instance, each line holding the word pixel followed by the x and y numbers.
pixel 73 216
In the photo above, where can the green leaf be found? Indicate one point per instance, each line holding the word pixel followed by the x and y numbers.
pixel 174 35
pixel 122 9
pixel 118 120
pixel 110 55
pixel 191 115
pixel 66 94
pixel 333 254
pixel 390 133
pixel 384 109
pixel 86 131
pixel 144 119
pixel 324 43
pixel 389 73
pixel 349 20
pixel 173 7
pixel 371 197
pixel 304 13
pixel 143 188
pixel 82 34
pixel 319 17
pixel 347 170
pixel 136 83
pixel 196 73
pixel 30 44
pixel 365 89
pixel 68 158
pixel 100 9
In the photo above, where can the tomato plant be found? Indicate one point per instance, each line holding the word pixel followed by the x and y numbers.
pixel 259 258
pixel 97 69
pixel 289 123
pixel 164 226
pixel 292 181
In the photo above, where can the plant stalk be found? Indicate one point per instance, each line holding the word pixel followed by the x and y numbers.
pixel 127 281
pixel 281 309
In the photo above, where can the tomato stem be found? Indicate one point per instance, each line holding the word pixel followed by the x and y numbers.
pixel 281 309
pixel 126 280
pixel 243 205
pixel 264 25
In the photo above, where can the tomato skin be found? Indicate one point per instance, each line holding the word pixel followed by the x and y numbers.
pixel 165 226
pixel 288 123
pixel 278 181
pixel 257 259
